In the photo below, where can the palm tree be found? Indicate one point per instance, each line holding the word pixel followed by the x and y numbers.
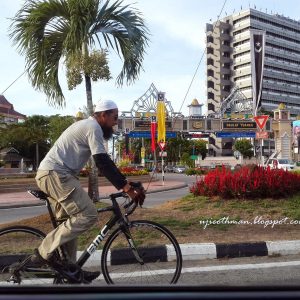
pixel 52 32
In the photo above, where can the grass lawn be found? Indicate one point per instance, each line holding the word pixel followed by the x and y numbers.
pixel 199 219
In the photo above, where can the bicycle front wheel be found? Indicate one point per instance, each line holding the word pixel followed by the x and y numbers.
pixel 156 245
pixel 17 243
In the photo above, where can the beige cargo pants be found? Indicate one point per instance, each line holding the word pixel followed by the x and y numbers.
pixel 71 203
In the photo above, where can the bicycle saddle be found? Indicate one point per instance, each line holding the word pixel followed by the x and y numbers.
pixel 38 194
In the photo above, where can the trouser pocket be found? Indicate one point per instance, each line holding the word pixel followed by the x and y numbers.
pixel 63 190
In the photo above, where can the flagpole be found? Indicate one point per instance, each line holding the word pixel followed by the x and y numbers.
pixel 162 168
pixel 161 129
pixel 257 46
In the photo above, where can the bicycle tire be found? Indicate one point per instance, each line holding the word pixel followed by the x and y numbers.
pixel 156 245
pixel 17 243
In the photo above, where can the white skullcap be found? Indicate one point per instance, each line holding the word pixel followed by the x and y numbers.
pixel 105 105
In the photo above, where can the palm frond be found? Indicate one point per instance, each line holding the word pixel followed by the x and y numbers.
pixel 124 30
pixel 48 32
pixel 39 31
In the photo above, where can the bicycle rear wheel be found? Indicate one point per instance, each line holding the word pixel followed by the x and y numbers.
pixel 156 245
pixel 17 243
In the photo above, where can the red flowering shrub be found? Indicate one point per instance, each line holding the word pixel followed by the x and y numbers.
pixel 247 182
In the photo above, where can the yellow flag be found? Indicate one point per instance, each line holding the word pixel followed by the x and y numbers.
pixel 161 118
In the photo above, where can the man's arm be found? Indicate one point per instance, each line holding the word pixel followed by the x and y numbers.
pixel 108 168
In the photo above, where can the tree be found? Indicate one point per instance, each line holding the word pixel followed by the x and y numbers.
pixel 186 160
pixel 52 32
pixel 36 132
pixel 58 124
pixel 198 147
pixel 28 137
pixel 244 146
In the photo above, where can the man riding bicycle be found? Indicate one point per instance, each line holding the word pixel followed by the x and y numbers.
pixel 56 177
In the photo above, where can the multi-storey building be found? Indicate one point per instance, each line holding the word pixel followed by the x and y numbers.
pixel 229 59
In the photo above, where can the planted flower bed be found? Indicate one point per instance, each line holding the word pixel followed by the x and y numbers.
pixel 248 182
pixel 131 171
pixel 126 171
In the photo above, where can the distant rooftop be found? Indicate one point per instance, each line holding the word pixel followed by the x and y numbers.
pixel 7 109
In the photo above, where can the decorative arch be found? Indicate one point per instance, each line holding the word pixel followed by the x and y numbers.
pixel 147 103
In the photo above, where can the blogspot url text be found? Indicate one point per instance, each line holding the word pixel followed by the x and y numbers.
pixel 258 220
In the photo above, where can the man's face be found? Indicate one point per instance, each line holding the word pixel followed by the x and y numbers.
pixel 107 121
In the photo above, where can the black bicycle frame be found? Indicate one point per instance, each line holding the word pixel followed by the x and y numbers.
pixel 106 228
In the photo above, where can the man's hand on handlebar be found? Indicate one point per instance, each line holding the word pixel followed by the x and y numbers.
pixel 137 193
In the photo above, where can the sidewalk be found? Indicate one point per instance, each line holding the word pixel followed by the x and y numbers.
pixel 24 199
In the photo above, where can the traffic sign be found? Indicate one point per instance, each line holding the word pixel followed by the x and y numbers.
pixel 162 145
pixel 261 121
pixel 262 135
pixel 224 134
pixel 194 157
pixel 147 134
pixel 163 154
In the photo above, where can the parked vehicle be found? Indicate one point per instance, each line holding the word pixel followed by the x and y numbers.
pixel 169 169
pixel 281 163
pixel 179 169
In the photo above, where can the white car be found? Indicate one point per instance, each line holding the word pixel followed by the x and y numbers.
pixel 179 169
pixel 281 163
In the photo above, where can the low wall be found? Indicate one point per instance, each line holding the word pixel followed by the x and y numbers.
pixel 226 161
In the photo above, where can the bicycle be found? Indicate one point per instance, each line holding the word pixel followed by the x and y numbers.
pixel 136 252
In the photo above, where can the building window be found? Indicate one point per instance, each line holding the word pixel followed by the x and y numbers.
pixel 210 84
pixel 210 50
pixel 210 39
pixel 210 106
pixel 210 61
pixel 211 95
pixel 210 73
pixel 226 88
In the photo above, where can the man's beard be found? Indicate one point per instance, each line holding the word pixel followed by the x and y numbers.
pixel 107 132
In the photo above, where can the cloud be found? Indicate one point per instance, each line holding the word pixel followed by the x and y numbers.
pixel 178 20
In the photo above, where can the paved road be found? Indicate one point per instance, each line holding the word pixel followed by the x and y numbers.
pixel 16 214
pixel 13 214
pixel 250 271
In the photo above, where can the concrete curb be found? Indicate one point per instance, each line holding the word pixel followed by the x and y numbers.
pixel 194 251
pixel 201 251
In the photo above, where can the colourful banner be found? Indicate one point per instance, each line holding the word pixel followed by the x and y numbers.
pixel 257 44
pixel 161 118
pixel 296 135
pixel 153 133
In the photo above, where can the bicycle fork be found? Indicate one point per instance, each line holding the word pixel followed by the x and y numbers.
pixel 125 230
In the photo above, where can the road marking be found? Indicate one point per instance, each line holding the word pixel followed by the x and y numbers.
pixel 241 267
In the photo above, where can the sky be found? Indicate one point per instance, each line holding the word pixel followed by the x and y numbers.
pixel 176 48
